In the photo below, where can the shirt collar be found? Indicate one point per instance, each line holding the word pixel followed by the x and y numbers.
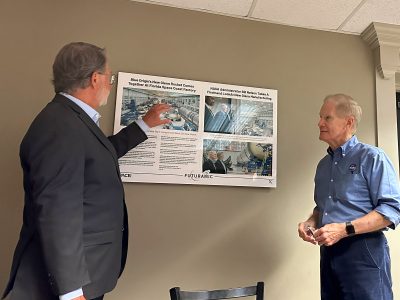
pixel 91 112
pixel 345 148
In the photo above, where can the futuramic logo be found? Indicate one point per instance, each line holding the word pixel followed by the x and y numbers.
pixel 199 176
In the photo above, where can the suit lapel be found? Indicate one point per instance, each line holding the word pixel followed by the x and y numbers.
pixel 89 123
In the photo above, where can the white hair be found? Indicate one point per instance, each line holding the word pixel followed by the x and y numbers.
pixel 346 107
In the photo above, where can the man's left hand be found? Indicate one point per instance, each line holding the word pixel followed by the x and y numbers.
pixel 152 117
pixel 330 234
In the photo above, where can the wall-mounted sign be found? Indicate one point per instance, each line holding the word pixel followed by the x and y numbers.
pixel 219 135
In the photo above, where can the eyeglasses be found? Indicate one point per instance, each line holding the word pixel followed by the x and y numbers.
pixel 113 77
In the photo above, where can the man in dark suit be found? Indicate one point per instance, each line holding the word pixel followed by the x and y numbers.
pixel 212 163
pixel 209 162
pixel 221 167
pixel 74 237
pixel 209 114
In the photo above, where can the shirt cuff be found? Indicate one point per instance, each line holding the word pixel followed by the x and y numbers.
pixel 72 295
pixel 142 124
pixel 389 213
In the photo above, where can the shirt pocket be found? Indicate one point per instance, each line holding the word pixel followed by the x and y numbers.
pixel 351 187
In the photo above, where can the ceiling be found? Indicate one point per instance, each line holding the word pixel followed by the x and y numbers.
pixel 345 16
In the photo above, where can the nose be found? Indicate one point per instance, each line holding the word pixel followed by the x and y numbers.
pixel 321 122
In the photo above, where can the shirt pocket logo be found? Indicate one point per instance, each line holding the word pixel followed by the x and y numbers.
pixel 352 168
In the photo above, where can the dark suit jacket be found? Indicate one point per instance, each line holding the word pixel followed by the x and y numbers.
pixel 74 232
pixel 216 167
pixel 208 119
pixel 221 168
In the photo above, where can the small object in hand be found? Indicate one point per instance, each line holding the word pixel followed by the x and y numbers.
pixel 310 230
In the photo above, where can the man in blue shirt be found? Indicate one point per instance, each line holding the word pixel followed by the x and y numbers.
pixel 357 195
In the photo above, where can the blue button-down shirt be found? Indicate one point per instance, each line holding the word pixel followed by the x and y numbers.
pixel 92 113
pixel 352 181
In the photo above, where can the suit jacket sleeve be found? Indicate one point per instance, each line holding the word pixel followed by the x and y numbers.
pixel 128 138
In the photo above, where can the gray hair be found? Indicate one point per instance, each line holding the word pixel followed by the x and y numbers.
pixel 346 107
pixel 75 64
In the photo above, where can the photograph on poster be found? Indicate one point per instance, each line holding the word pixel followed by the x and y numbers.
pixel 239 117
pixel 184 112
pixel 234 157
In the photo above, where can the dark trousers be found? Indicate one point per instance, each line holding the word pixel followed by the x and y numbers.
pixel 356 268
pixel 98 298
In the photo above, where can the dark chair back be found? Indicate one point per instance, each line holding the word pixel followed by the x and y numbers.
pixel 258 290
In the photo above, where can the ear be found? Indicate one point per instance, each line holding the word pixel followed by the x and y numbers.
pixel 95 79
pixel 350 122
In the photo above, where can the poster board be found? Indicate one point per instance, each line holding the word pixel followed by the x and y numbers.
pixel 220 134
